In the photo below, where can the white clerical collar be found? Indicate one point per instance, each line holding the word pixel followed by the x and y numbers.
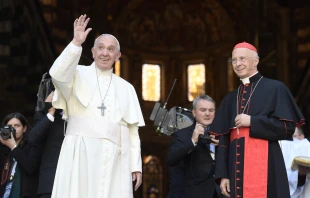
pixel 105 72
pixel 247 79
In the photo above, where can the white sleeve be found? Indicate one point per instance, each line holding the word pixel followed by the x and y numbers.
pixel 293 181
pixel 305 193
pixel 63 69
pixel 135 149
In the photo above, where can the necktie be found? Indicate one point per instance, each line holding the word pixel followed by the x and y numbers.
pixel 210 146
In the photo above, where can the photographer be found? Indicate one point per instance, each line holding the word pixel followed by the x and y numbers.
pixel 19 160
pixel 191 148
pixel 48 131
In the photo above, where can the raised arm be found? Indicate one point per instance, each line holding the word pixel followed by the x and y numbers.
pixel 63 69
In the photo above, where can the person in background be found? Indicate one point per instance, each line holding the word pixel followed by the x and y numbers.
pixel 48 131
pixel 298 179
pixel 19 160
pixel 196 155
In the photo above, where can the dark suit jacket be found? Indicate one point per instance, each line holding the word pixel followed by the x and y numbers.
pixel 28 162
pixel 177 181
pixel 199 165
pixel 50 135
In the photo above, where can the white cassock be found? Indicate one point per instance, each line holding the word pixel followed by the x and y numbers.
pixel 99 153
pixel 290 150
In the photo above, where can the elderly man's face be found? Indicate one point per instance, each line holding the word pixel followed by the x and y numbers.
pixel 244 62
pixel 204 112
pixel 105 52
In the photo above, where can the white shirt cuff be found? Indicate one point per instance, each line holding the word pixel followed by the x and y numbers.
pixel 50 117
pixel 194 142
pixel 74 49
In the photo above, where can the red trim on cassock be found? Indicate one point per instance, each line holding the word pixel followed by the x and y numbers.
pixel 212 133
pixel 300 123
pixel 217 134
pixel 255 173
pixel 285 129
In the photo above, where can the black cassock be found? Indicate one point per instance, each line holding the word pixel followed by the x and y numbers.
pixel 274 115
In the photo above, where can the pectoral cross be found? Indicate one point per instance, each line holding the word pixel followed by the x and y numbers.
pixel 102 108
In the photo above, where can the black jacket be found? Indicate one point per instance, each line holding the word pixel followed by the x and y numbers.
pixel 198 164
pixel 177 181
pixel 50 135
pixel 28 162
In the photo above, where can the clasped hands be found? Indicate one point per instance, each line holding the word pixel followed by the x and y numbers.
pixel 242 120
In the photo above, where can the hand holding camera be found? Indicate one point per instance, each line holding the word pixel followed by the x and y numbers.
pixel 214 140
pixel 8 136
pixel 199 132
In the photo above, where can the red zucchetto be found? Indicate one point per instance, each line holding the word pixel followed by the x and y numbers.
pixel 245 45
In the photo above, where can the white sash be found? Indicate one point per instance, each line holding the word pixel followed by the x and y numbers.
pixel 96 127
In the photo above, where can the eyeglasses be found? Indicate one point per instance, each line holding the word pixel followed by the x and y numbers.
pixel 241 59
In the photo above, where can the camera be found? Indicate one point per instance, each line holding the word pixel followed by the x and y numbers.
pixel 205 138
pixel 45 88
pixel 5 132
pixel 168 122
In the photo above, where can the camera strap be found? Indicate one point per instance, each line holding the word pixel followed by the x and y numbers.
pixel 6 170
pixel 8 187
pixel 13 170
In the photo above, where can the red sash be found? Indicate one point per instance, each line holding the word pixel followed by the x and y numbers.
pixel 255 173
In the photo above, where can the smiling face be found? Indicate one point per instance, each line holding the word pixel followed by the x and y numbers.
pixel 105 52
pixel 204 112
pixel 18 126
pixel 244 62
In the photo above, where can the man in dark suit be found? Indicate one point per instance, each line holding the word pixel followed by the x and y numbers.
pixel 48 131
pixel 197 155
pixel 177 181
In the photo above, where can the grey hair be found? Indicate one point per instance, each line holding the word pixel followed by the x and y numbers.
pixel 118 47
pixel 202 97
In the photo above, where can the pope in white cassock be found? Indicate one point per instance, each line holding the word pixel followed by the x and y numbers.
pixel 100 155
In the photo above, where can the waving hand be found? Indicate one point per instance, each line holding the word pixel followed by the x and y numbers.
pixel 79 27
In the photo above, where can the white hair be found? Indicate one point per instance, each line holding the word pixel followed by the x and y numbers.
pixel 255 54
pixel 118 47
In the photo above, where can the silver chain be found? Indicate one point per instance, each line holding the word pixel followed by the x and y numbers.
pixel 99 86
pixel 249 97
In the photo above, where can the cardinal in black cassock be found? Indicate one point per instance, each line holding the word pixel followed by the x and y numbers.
pixel 250 121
